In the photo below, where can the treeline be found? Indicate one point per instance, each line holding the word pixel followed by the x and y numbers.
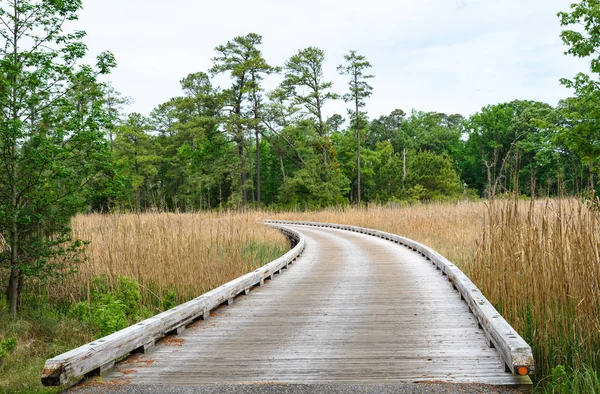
pixel 215 147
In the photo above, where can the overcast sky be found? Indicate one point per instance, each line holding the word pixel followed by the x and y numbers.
pixel 452 56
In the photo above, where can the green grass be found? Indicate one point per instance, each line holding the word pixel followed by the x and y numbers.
pixel 584 380
pixel 43 330
pixel 260 253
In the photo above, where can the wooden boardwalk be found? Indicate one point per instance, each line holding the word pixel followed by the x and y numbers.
pixel 353 308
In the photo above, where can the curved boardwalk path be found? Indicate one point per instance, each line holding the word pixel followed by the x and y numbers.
pixel 353 309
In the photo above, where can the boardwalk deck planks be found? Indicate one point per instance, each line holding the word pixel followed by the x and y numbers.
pixel 356 308
pixel 515 352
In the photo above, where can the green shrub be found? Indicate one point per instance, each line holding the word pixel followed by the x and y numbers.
pixel 128 293
pixel 170 300
pixel 110 315
pixel 81 311
pixel 98 286
pixel 43 330
pixel 6 346
pixel 110 311
pixel 146 313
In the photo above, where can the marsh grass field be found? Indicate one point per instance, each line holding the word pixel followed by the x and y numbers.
pixel 186 254
pixel 538 262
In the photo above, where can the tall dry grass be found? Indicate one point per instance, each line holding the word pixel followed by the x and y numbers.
pixel 186 253
pixel 539 263
pixel 193 253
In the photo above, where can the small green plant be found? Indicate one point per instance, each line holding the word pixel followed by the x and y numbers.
pixel 98 285
pixel 584 380
pixel 81 311
pixel 128 293
pixel 170 300
pixel 43 330
pixel 6 346
pixel 558 380
pixel 110 315
pixel 110 311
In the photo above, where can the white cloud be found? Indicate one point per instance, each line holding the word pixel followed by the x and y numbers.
pixel 443 55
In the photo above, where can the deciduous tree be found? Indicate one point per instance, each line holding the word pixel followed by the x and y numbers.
pixel 583 42
pixel 51 135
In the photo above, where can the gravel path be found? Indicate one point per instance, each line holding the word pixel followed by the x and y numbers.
pixel 277 388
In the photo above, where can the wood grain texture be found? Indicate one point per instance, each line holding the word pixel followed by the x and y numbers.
pixel 352 308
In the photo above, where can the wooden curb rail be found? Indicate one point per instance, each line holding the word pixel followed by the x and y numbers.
pixel 515 352
pixel 100 355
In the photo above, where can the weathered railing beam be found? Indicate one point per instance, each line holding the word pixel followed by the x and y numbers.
pixel 97 355
pixel 513 349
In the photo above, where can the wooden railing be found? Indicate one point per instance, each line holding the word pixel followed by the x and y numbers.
pixel 95 357
pixel 513 349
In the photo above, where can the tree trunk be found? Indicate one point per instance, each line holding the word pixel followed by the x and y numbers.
pixel 13 291
pixel 282 166
pixel 257 118
pixel 208 199
pixel 491 185
pixel 252 180
pixel 220 195
pixel 243 173
pixel 591 177
pixel 20 288
pixel 321 127
pixel 358 139
pixel 403 163
pixel 13 284
pixel 257 166
pixel 15 273
pixel 138 200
